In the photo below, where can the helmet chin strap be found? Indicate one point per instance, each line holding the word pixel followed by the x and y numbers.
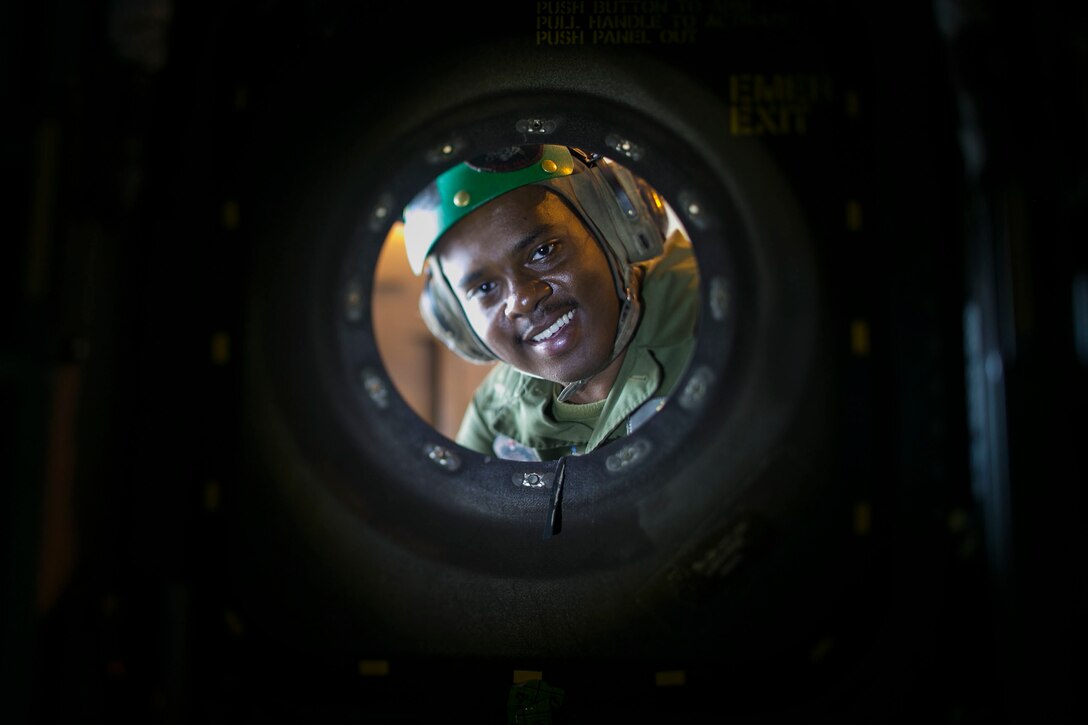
pixel 625 330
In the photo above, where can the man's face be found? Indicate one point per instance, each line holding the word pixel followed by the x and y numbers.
pixel 534 284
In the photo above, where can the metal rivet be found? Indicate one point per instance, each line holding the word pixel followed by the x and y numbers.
pixel 353 302
pixel 532 479
pixel 375 387
pixel 379 214
pixel 461 198
pixel 441 152
pixel 696 389
pixel 535 126
pixel 624 146
pixel 627 456
pixel 693 210
pixel 443 457
pixel 719 298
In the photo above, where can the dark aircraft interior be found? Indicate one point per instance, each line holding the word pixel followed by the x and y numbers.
pixel 223 503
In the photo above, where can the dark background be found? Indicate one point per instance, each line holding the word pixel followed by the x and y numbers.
pixel 140 139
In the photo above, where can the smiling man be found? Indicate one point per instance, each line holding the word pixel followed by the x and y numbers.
pixel 556 264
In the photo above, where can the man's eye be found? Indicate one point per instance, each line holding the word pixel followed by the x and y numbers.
pixel 482 289
pixel 543 251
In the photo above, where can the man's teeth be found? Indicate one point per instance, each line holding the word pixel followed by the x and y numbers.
pixel 556 326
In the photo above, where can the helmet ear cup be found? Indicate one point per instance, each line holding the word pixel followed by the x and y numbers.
pixel 655 207
pixel 646 222
pixel 442 314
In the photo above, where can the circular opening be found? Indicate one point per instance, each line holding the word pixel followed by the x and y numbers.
pixel 412 506
pixel 743 381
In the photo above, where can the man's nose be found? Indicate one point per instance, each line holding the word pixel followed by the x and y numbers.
pixel 525 295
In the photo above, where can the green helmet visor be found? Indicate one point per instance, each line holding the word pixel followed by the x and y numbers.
pixel 463 189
